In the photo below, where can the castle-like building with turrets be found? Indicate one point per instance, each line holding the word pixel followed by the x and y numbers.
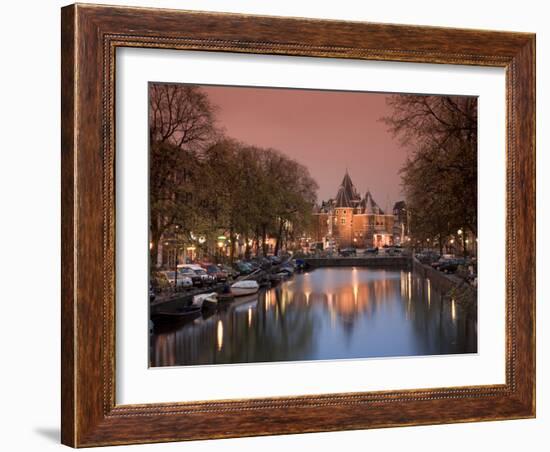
pixel 350 220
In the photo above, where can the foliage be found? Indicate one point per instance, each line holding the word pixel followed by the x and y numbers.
pixel 439 177
pixel 209 185
pixel 181 124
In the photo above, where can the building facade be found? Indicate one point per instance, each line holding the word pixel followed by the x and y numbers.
pixel 350 220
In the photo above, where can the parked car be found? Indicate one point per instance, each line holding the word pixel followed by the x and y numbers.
pixel 371 251
pixel 243 268
pixel 216 272
pixel 254 265
pixel 180 282
pixel 190 273
pixel 231 272
pixel 207 279
pixel 261 262
pixel 428 257
pixel 448 265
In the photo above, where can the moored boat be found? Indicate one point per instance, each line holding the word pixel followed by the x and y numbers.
pixel 206 300
pixel 181 315
pixel 246 287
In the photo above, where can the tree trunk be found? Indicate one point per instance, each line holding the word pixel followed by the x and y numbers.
pixel 156 236
pixel 232 247
pixel 257 241
pixel 246 248
pixel 264 239
pixel 278 241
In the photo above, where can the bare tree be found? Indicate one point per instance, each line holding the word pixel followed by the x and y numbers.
pixel 440 175
pixel 181 124
pixel 181 115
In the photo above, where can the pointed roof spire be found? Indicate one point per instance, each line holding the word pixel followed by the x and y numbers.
pixel 369 206
pixel 347 195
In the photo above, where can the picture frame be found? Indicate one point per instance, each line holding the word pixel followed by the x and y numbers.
pixel 90 36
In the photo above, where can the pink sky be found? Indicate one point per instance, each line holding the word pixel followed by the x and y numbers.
pixel 327 131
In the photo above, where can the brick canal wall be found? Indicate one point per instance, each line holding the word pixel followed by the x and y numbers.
pixel 374 261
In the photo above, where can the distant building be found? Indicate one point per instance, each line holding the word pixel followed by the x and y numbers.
pixel 349 220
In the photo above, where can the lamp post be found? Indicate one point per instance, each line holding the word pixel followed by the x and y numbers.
pixel 460 233
pixel 175 266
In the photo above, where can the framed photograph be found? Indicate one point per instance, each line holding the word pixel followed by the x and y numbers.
pixel 279 225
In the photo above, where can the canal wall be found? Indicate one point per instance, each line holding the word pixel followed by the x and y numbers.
pixel 371 261
pixel 446 284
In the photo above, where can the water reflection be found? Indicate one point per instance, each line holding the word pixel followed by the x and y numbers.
pixel 328 313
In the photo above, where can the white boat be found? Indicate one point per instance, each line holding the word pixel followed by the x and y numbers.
pixel 205 298
pixel 246 287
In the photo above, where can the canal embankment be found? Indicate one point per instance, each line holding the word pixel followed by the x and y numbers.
pixel 450 285
pixel 402 262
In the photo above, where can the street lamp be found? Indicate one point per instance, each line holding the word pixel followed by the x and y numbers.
pixel 175 266
pixel 464 242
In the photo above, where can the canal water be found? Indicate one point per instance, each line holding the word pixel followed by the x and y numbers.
pixel 328 313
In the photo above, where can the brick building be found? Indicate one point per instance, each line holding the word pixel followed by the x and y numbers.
pixel 350 220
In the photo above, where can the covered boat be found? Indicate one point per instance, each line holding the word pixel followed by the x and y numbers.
pixel 246 287
pixel 206 300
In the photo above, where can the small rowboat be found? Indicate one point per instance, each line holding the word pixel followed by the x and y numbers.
pixel 246 287
pixel 182 315
pixel 206 300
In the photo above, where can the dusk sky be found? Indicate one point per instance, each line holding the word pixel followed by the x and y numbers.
pixel 327 131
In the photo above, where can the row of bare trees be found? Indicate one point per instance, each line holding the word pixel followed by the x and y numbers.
pixel 206 184
pixel 439 178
